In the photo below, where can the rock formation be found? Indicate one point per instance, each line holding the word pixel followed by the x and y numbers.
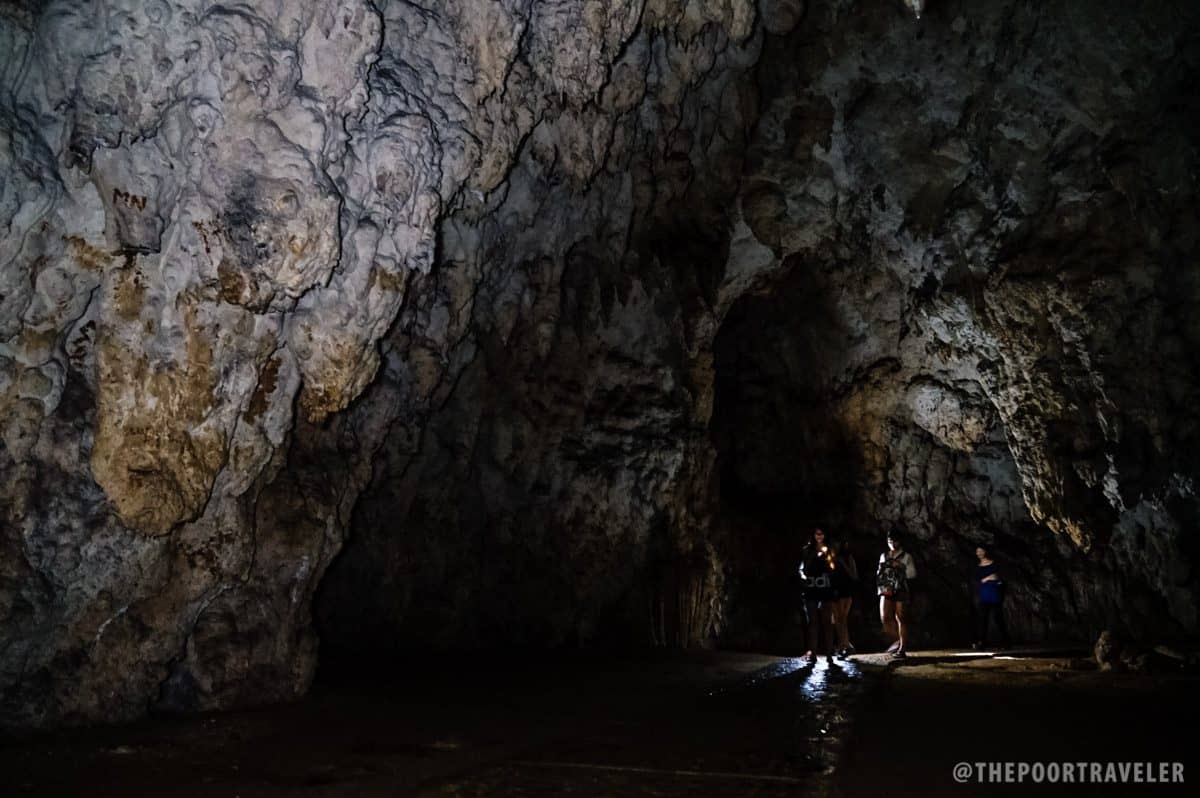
pixel 558 320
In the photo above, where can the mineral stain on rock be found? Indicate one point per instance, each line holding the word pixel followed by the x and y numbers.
pixel 88 256
pixel 233 282
pixel 155 457
pixel 267 381
pixel 129 295
pixel 240 221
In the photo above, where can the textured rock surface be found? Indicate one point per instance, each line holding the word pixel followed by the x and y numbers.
pixel 175 186
pixel 999 258
pixel 921 299
pixel 561 310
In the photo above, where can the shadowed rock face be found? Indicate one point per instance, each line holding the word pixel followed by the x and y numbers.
pixel 998 317
pixel 569 316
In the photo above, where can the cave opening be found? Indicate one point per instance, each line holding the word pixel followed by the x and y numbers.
pixel 786 460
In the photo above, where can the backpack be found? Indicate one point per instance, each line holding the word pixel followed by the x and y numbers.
pixel 891 577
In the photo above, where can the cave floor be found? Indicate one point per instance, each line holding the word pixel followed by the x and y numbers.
pixel 941 708
pixel 720 724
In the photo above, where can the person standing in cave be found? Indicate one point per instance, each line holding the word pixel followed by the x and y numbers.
pixel 989 598
pixel 892 577
pixel 845 585
pixel 817 565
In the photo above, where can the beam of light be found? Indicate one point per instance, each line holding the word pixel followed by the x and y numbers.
pixel 817 680
pixel 816 685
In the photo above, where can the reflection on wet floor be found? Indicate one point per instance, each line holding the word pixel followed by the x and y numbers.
pixel 721 725
pixel 774 732
pixel 714 724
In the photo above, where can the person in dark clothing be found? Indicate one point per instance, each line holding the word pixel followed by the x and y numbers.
pixel 816 569
pixel 845 586
pixel 989 598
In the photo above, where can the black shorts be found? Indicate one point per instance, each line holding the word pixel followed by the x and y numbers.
pixel 848 589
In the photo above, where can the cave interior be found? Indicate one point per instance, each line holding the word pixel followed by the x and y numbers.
pixel 441 397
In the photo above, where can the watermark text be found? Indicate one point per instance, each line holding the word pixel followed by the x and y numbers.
pixel 1068 773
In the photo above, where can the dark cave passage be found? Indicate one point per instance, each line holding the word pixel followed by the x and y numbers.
pixel 786 461
pixel 781 446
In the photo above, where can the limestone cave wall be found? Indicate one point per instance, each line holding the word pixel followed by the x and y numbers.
pixel 555 323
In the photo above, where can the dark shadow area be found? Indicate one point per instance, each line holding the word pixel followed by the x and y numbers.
pixel 667 724
pixel 916 729
pixel 786 461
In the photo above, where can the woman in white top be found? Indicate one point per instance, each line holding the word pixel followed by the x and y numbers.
pixel 896 567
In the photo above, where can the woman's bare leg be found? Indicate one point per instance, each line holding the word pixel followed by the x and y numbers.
pixel 900 622
pixel 812 612
pixel 843 608
pixel 887 615
pixel 837 625
pixel 827 627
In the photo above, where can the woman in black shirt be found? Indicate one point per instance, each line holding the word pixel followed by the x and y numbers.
pixel 989 597
pixel 816 575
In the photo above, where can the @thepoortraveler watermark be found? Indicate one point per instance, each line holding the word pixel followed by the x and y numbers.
pixel 1068 773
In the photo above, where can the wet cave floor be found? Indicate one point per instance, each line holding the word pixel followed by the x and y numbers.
pixel 720 724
